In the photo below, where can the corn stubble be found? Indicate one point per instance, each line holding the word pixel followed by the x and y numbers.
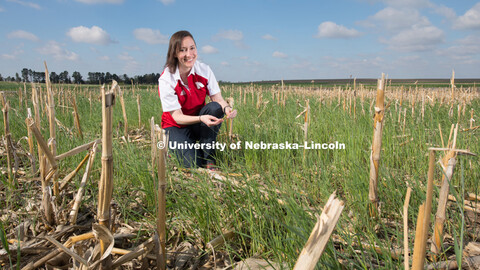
pixel 221 214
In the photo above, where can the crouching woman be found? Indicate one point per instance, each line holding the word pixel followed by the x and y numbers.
pixel 183 87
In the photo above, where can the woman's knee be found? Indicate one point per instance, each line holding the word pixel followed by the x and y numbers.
pixel 212 108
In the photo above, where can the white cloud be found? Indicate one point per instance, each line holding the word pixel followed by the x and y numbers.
pixel 8 56
pixel 104 58
pixel 20 34
pixel 469 20
pixel 408 60
pixel 207 49
pixel 94 35
pixel 225 64
pixel 470 40
pixel 1 9
pixel 131 65
pixel 150 36
pixel 396 19
pixel 463 49
pixel 26 4
pixel 90 2
pixel 54 48
pixel 125 57
pixel 18 51
pixel 405 29
pixel 278 54
pixel 407 3
pixel 402 14
pixel 358 66
pixel 303 65
pixel 234 35
pixel 269 37
pixel 167 2
pixel 446 12
pixel 417 38
pixel 132 48
pixel 94 49
pixel 252 63
pixel 333 30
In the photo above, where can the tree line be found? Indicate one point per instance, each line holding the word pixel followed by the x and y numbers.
pixel 28 75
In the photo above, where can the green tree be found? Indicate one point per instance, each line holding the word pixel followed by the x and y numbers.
pixel 77 77
pixel 25 74
pixel 53 77
pixel 38 77
pixel 108 77
pixel 116 78
pixel 96 77
pixel 63 77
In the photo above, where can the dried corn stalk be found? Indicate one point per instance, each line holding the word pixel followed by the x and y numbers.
pixel 320 235
pixel 139 115
pixel 76 117
pixel 47 203
pixel 105 186
pixel 52 128
pixel 8 138
pixel 230 102
pixel 80 192
pixel 405 228
pixel 448 163
pixel 376 146
pixel 161 193
pixel 124 112
pixel 423 221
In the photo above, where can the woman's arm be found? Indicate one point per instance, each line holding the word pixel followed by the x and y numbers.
pixel 227 109
pixel 183 119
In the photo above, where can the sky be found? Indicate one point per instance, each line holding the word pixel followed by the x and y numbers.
pixel 249 40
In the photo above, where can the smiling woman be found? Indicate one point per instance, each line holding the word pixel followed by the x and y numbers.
pixel 183 87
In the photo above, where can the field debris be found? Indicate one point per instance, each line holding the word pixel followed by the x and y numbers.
pixel 70 200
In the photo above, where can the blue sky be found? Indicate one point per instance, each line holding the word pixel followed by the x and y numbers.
pixel 246 40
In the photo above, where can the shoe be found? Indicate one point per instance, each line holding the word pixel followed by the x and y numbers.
pixel 211 166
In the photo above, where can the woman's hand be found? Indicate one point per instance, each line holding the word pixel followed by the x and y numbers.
pixel 229 112
pixel 210 120
pixel 227 109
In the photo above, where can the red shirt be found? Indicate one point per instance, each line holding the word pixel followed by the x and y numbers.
pixel 189 98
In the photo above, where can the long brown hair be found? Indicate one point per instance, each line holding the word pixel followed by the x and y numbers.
pixel 174 47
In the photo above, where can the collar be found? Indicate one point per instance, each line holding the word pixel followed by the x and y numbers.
pixel 176 76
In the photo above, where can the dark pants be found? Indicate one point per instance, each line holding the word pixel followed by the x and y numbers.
pixel 200 133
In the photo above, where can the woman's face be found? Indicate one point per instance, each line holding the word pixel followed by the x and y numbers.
pixel 187 54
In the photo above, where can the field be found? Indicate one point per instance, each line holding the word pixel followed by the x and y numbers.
pixel 263 201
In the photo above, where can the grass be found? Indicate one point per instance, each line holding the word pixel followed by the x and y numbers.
pixel 270 197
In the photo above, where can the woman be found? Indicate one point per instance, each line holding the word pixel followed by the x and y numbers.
pixel 183 86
